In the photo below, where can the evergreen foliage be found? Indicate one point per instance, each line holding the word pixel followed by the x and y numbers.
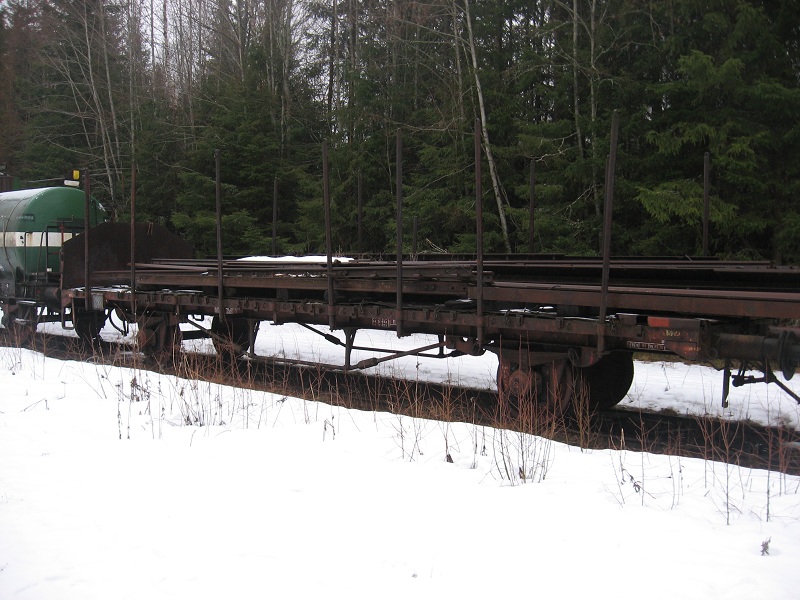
pixel 106 84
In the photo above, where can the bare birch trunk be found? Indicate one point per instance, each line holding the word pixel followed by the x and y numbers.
pixel 459 75
pixel 286 96
pixel 132 98
pixel 105 139
pixel 485 134
pixel 576 101
pixel 598 201
pixel 166 47
pixel 115 147
pixel 332 64
pixel 152 35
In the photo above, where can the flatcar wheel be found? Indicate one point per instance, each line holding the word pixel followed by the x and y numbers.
pixel 513 387
pixel 544 391
pixel 231 336
pixel 608 380
pixel 559 380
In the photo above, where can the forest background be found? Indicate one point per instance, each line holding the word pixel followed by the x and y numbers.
pixel 103 85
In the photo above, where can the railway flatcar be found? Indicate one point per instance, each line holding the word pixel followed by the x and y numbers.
pixel 564 329
pixel 541 318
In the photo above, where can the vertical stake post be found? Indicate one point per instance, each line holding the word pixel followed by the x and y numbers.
pixel 399 224
pixel 87 282
pixel 360 194
pixel 275 216
pixel 607 220
pixel 326 200
pixel 478 234
pixel 532 194
pixel 133 238
pixel 220 279
pixel 706 200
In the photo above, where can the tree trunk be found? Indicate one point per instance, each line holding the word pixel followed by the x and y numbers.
pixel 459 75
pixel 576 106
pixel 332 65
pixel 115 143
pixel 485 134
pixel 598 200
pixel 164 24
pixel 98 107
pixel 286 96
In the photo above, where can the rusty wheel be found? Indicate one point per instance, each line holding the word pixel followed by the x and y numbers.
pixel 546 390
pixel 608 380
pixel 559 378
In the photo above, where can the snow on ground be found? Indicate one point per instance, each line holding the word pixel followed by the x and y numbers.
pixel 295 259
pixel 687 389
pixel 120 483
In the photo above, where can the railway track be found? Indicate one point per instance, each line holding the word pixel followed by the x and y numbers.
pixel 742 443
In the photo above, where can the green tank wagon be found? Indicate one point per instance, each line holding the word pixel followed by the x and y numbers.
pixel 34 225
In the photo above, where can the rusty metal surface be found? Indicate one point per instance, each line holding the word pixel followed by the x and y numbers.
pixel 698 302
pixel 686 308
pixel 704 274
pixel 110 245
pixel 707 289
